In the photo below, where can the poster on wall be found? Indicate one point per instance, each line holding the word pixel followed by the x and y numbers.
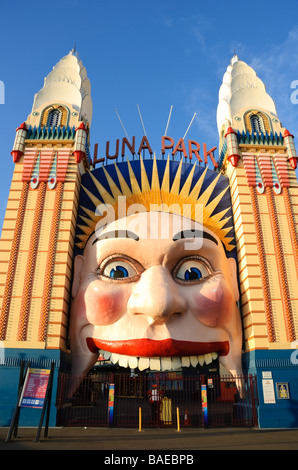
pixel 282 390
pixel 268 391
pixel 35 388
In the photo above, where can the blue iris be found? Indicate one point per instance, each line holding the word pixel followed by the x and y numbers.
pixel 119 272
pixel 192 274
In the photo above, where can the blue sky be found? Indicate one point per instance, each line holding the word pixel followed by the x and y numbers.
pixel 155 54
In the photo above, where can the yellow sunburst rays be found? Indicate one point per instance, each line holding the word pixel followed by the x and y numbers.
pixel 169 198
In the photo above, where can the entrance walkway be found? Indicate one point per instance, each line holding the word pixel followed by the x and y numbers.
pixel 110 440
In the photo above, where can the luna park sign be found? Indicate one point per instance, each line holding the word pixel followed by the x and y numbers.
pixel 188 149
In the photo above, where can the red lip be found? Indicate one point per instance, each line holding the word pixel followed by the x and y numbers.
pixel 163 348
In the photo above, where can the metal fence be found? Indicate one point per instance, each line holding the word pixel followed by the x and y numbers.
pixel 121 400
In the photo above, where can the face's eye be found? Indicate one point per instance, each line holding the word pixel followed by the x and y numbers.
pixel 192 270
pixel 119 269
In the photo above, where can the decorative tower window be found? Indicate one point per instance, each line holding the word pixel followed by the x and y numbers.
pixel 257 123
pixel 54 118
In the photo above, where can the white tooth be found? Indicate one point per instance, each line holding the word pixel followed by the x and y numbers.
pixel 132 362
pixel 123 360
pixel 143 363
pixel 208 358
pixel 176 363
pixel 185 361
pixel 194 360
pixel 154 363
pixel 166 363
pixel 101 352
pixel 214 355
pixel 106 354
pixel 114 358
pixel 201 359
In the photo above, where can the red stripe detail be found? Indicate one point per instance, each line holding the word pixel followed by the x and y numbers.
pixel 249 165
pixel 265 168
pixel 151 348
pixel 30 157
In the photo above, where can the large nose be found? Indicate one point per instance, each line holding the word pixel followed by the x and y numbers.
pixel 157 296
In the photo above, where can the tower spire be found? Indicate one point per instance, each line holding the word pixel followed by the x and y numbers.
pixel 241 89
pixel 67 84
pixel 234 58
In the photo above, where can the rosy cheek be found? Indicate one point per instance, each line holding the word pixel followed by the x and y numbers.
pixel 212 305
pixel 102 306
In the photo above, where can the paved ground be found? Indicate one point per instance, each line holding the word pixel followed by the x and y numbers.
pixel 185 441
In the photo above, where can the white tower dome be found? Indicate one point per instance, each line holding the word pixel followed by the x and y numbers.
pixel 67 83
pixel 241 88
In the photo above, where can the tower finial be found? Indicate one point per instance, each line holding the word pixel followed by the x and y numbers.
pixel 74 51
pixel 234 58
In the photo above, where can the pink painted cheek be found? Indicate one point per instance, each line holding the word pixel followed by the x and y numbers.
pixel 213 304
pixel 102 306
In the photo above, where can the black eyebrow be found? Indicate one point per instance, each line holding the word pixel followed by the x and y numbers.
pixel 117 234
pixel 194 234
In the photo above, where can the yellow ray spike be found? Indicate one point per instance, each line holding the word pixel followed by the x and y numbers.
pixel 217 223
pixel 156 195
pixel 86 230
pixel 144 178
pixel 89 222
pixel 214 203
pixel 186 187
pixel 133 180
pixel 176 183
pixel 229 247
pixel 226 230
pixel 114 188
pixel 82 237
pixel 106 196
pixel 155 179
pixel 197 188
pixel 165 186
pixel 92 214
pixel 124 186
pixel 228 240
pixel 204 198
pixel 91 196
pixel 218 219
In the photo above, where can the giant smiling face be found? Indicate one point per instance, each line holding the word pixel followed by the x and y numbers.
pixel 155 301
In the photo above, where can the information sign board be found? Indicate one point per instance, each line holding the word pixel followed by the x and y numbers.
pixel 35 387
pixel 268 391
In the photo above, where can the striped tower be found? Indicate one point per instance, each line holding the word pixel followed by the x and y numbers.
pixel 50 153
pixel 258 156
